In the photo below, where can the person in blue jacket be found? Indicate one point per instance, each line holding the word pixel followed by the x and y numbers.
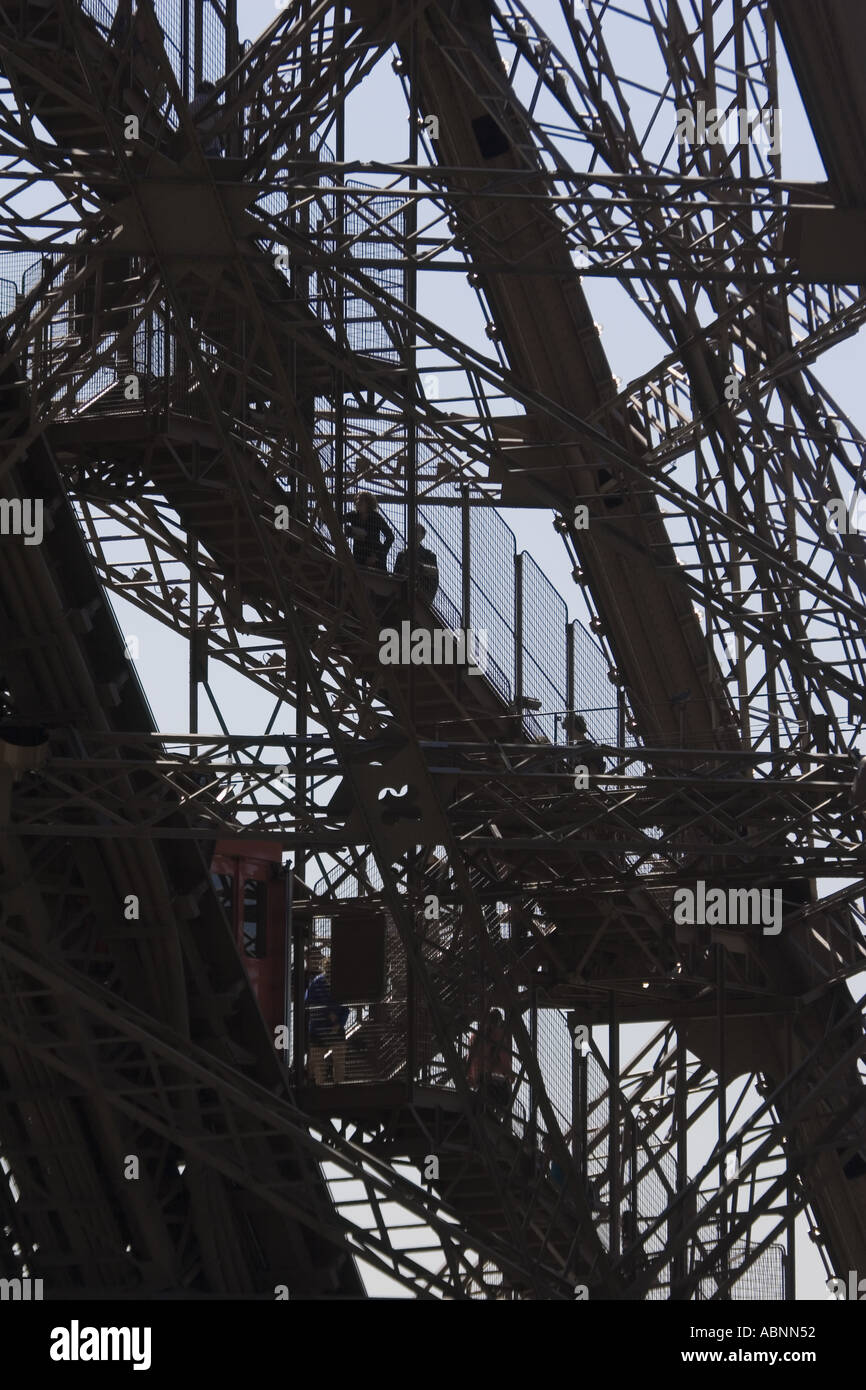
pixel 327 1024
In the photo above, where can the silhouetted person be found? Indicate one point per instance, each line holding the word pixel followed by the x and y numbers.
pixel 576 734
pixel 426 566
pixel 212 144
pixel 635 1261
pixel 121 24
pixel 554 1168
pixel 371 535
pixel 147 44
pixel 490 1070
pixel 327 1030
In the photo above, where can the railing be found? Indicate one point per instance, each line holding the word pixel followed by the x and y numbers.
pixel 185 26
pixel 530 647
pixel 538 668
pixel 542 667
pixel 762 1281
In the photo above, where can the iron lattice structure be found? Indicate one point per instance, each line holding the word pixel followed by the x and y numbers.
pixel 204 356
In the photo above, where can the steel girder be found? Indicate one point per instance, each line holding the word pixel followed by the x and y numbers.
pixel 534 1273
pixel 708 513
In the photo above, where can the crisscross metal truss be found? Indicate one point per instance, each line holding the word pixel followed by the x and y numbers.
pixel 202 358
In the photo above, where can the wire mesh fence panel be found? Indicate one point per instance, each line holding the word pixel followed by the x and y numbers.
pixel 28 269
pixel 213 40
pixel 318 221
pixel 493 550
pixel 193 30
pixel 594 696
pixel 443 537
pixel 101 12
pixel 645 1180
pixel 21 273
pixel 395 515
pixel 763 1280
pixel 545 615
pixel 555 1058
pixel 593 1140
pixel 363 324
pixel 188 28
pixel 94 316
pixel 650 1180
pixel 8 296
pixel 172 21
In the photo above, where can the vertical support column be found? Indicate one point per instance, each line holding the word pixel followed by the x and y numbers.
pixel 722 1104
pixel 300 867
pixel 197 638
pixel 580 1134
pixel 413 392
pixel 771 76
pixel 741 68
pixel 301 774
pixel 169 362
pixel 289 1011
pixel 678 1264
pixel 194 635
pixel 707 88
pixel 298 1013
pixel 184 48
pixel 301 278
pixel 198 43
pixel 234 135
pixel 465 559
pixel 574 1078
pixel 633 1168
pixel 533 1097
pixel 613 1122
pixel 338 296
pixel 340 447
pixel 518 633
pixel 791 1226
pixel 415 883
pixel 411 292
pixel 568 722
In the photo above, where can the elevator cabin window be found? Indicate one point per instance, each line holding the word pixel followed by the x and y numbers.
pixel 255 917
